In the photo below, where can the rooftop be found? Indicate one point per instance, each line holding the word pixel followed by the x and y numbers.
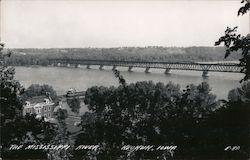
pixel 37 99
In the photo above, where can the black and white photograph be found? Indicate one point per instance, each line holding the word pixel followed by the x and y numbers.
pixel 125 79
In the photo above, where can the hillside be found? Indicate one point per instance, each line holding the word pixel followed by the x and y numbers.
pixel 166 54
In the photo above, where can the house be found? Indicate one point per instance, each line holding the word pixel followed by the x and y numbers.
pixel 41 106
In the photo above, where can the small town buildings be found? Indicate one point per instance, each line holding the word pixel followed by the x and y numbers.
pixel 41 106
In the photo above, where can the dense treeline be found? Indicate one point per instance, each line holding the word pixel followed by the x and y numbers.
pixel 147 113
pixel 21 131
pixel 166 54
pixel 16 128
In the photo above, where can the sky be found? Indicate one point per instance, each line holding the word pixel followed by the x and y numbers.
pixel 117 23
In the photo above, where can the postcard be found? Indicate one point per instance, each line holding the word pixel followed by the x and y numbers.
pixel 125 80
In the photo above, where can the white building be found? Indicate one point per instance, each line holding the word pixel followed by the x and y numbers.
pixel 41 106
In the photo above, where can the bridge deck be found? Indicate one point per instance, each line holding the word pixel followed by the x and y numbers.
pixel 214 67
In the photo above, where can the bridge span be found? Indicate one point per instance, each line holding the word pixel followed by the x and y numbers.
pixel 167 66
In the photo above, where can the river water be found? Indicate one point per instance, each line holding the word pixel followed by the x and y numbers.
pixel 62 78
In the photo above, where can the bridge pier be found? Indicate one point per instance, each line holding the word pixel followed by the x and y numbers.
pixel 101 67
pixel 130 68
pixel 77 65
pixel 205 73
pixel 147 69
pixel 167 71
pixel 88 66
pixel 114 67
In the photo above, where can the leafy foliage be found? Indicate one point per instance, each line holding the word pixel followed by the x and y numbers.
pixel 142 113
pixel 235 42
pixel 61 114
pixel 228 126
pixel 38 90
pixel 10 104
pixel 74 104
pixel 61 137
pixel 244 8
pixel 16 129
pixel 120 77
pixel 240 94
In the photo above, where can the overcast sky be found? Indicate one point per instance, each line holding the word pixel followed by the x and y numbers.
pixel 75 23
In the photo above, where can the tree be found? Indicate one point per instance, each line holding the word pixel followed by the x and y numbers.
pixel 74 104
pixel 16 129
pixel 244 8
pixel 61 137
pixel 61 114
pixel 240 94
pixel 235 42
pixel 231 122
pixel 229 125
pixel 10 104
pixel 38 90
pixel 143 113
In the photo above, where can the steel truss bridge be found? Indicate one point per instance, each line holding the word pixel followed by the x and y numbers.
pixel 167 66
